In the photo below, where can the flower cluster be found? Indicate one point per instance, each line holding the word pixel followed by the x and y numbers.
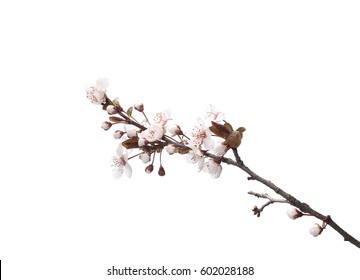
pixel 162 133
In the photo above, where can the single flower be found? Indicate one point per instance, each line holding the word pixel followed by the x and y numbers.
pixel 162 118
pixel 213 168
pixel 120 163
pixel 153 133
pixel 201 135
pixel 96 93
pixel 213 114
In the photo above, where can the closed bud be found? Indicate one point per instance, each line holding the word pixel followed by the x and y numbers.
pixel 294 213
pixel 139 107
pixel 106 125
pixel 161 171
pixel 149 168
pixel 315 230
pixel 171 149
pixel 118 134
pixel 111 109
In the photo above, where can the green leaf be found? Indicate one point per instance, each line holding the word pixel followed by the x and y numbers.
pixel 129 111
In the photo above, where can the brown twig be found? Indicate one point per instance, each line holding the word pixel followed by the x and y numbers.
pixel 288 197
pixel 257 211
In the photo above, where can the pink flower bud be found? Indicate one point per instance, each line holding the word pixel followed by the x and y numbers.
pixel 111 109
pixel 106 125
pixel 118 134
pixel 174 129
pixel 315 230
pixel 145 158
pixel 139 107
pixel 131 133
pixel 142 142
pixel 170 149
pixel 149 168
pixel 294 213
pixel 161 171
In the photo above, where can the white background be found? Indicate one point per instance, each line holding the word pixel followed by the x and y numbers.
pixel 286 70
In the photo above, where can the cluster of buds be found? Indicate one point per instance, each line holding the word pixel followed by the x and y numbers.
pixel 152 137
pixel 315 230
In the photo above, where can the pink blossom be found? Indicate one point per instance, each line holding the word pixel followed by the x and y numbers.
pixel 153 133
pixel 202 135
pixel 213 168
pixel 96 93
pixel 120 163
pixel 162 118
pixel 213 114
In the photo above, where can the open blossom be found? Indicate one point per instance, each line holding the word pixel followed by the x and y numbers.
pixel 196 156
pixel 213 168
pixel 120 163
pixel 202 135
pixel 96 93
pixel 153 133
pixel 213 114
pixel 162 118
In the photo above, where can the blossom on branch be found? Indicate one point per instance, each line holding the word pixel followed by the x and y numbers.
pixel 120 163
pixel 153 133
pixel 96 93
pixel 201 135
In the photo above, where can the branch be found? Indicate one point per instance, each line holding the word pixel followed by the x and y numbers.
pixel 271 200
pixel 288 197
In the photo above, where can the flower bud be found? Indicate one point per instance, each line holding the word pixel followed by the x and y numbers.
pixel 142 142
pixel 294 213
pixel 145 158
pixel 111 109
pixel 118 134
pixel 139 107
pixel 315 230
pixel 161 171
pixel 131 133
pixel 149 168
pixel 106 125
pixel 174 129
pixel 170 149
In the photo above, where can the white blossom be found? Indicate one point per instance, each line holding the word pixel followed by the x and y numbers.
pixel 202 135
pixel 96 93
pixel 315 230
pixel 153 133
pixel 196 156
pixel 213 168
pixel 120 163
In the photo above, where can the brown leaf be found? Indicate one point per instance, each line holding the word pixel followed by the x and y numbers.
pixel 115 119
pixel 234 139
pixel 131 143
pixel 241 129
pixel 219 130
pixel 228 126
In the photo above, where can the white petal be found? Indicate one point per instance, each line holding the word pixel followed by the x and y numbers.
pixel 128 170
pixel 118 169
pixel 102 84
pixel 209 143
pixel 120 150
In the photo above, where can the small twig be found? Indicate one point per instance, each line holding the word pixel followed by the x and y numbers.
pixel 271 200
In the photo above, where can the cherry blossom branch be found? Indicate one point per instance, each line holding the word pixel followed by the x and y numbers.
pixel 288 197
pixel 150 138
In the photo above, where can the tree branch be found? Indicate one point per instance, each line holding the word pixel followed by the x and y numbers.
pixel 303 207
pixel 271 200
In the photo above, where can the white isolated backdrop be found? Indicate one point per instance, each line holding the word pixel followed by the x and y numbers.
pixel 286 70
